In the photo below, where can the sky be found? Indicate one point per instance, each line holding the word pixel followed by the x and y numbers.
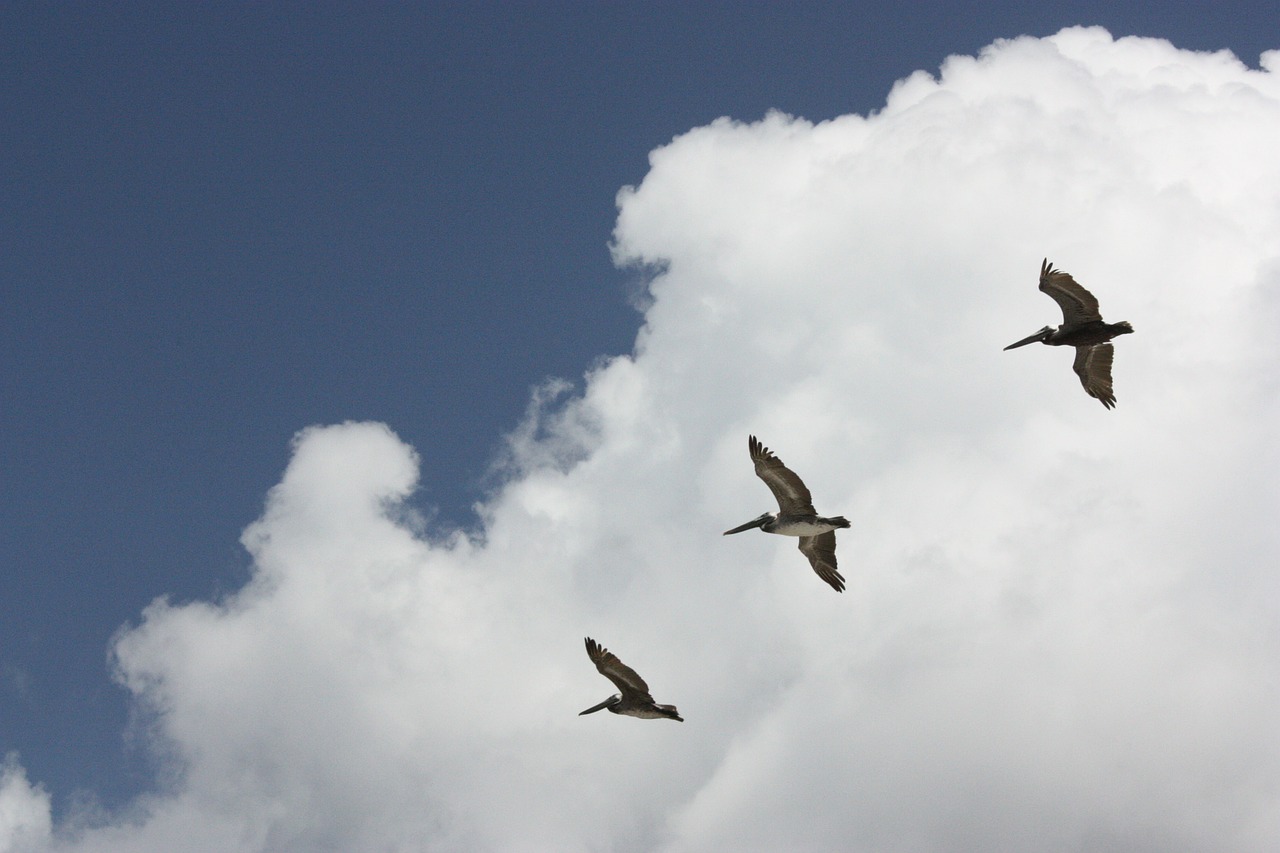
pixel 357 365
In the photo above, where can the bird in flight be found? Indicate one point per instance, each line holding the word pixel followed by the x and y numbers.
pixel 634 700
pixel 796 515
pixel 1082 328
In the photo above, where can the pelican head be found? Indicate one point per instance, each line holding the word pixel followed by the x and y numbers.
pixel 608 703
pixel 755 522
pixel 1041 336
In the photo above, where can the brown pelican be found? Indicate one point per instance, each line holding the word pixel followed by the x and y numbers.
pixel 796 515
pixel 1082 328
pixel 634 701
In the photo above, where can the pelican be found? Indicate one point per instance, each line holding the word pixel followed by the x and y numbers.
pixel 1082 328
pixel 796 515
pixel 634 700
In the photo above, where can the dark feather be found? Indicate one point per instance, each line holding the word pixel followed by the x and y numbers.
pixel 788 489
pixel 628 682
pixel 1078 305
pixel 821 551
pixel 1093 366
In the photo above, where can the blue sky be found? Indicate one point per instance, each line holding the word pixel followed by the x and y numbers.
pixel 224 225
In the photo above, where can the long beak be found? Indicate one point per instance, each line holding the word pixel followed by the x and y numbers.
pixel 1030 339
pixel 600 707
pixel 755 522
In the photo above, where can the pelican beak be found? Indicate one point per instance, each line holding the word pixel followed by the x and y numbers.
pixel 605 704
pixel 1030 339
pixel 755 522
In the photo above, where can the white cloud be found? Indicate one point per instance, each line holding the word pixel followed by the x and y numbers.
pixel 24 810
pixel 1061 621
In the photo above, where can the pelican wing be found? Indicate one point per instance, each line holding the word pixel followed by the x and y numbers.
pixel 1077 304
pixel 787 488
pixel 630 684
pixel 821 551
pixel 1093 366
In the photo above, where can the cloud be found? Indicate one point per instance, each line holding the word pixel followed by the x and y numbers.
pixel 24 809
pixel 1060 625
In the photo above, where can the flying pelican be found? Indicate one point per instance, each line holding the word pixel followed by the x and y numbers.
pixel 1082 328
pixel 796 515
pixel 634 700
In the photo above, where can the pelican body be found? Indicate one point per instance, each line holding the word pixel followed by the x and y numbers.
pixel 1082 327
pixel 796 515
pixel 634 700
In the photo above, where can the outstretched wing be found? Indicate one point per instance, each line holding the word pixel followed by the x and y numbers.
pixel 821 551
pixel 630 684
pixel 1077 304
pixel 1093 366
pixel 787 488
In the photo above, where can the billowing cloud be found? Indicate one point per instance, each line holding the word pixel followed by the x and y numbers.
pixel 24 809
pixel 1061 622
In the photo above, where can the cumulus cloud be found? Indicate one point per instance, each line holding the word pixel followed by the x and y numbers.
pixel 24 809
pixel 1061 622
